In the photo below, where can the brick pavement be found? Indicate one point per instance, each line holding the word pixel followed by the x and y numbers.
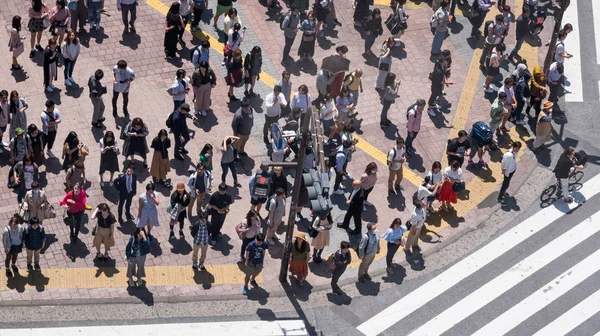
pixel 148 100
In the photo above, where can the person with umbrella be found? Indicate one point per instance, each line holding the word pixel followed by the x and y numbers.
pixel 337 65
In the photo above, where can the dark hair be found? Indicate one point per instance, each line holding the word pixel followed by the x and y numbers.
pixel 561 33
pixel 501 47
pixel 130 166
pixel 516 144
pixel 374 12
pixel 370 226
pixel 502 95
pixel 567 26
pixel 14 219
pixel 203 215
pixel 508 80
pixel 347 143
pixel 343 49
pixel 437 165
pixel 249 215
pixel 231 11
pixel 108 134
pixel 122 64
pixel 62 3
pixel 180 73
pixel 462 133
pixel 99 74
pixel 344 244
pixel 559 67
pixel 206 148
pixel 446 53
pixel 444 4
pixel 104 207
pixel 31 128
pixel 279 191
pixel 455 164
pixel 426 180
pixel 260 237
pixel 35 185
pixel 200 165
pixel 174 9
pixel 203 64
pixel 390 79
pixel 293 8
pixel 75 40
pixel 70 138
pixel 34 221
pixel 205 44
pixel 284 73
pixel 137 121
pixel 223 186
pixel 150 186
pixel 79 164
pixel 499 17
pixel 303 89
pixel 162 132
pixel 277 88
pixel 569 151
pixel 28 157
pixel 36 5
pixel 370 167
pixel 345 91
pixel 237 26
pixel 16 22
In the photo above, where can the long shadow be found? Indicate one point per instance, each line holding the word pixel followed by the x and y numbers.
pixel 78 250
pixel 155 248
pixel 106 267
pixel 143 294
pixel 180 246
pixel 204 278
pixel 34 278
pixel 292 296
pixel 415 162
pixel 50 239
pixel 19 75
pixel 223 245
pixel 398 275
pixel 369 288
pixel 131 40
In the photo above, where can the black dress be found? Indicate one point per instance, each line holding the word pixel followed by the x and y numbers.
pixel 172 36
pixel 108 160
pixel 50 60
pixel 71 158
pixel 361 11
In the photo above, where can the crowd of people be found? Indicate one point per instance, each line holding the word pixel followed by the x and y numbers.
pixel 335 102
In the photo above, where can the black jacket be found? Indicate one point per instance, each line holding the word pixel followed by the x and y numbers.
pixel 121 185
pixel 356 203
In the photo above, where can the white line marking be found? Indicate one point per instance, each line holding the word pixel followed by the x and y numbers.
pixel 573 65
pixel 596 15
pixel 574 317
pixel 542 297
pixel 470 264
pixel 279 327
pixel 510 278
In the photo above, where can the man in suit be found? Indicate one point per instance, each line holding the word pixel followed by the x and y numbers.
pixel 355 208
pixel 126 184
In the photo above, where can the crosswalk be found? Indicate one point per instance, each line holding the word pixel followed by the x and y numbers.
pixel 458 302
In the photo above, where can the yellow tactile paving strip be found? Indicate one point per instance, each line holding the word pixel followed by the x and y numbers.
pixel 63 278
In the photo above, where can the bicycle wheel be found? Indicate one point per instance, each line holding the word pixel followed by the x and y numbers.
pixel 575 178
pixel 548 194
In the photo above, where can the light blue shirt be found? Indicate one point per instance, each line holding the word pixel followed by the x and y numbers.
pixel 340 159
pixel 393 235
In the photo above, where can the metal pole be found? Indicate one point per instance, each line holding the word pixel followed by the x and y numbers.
pixel 287 246
pixel 557 26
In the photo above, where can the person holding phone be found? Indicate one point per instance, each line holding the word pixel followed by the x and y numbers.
pixel 148 213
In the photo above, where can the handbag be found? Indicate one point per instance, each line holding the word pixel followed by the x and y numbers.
pixel 458 187
pixel 46 23
pixel 49 211
pixel 384 66
pixel 312 232
pixel 67 217
pixel 330 262
pixel 24 213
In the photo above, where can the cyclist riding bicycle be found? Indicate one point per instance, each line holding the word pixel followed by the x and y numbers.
pixel 566 165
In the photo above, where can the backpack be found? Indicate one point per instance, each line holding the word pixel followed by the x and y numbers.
pixel 268 205
pixel 481 133
pixel 169 121
pixel 238 230
pixel 347 77
pixel 193 51
pixel 332 159
pixel 393 156
pixel 412 106
pixel 581 157
pixel 199 4
pixel 282 19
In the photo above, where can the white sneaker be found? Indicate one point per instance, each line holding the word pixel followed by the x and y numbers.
pixel 338 192
pixel 431 112
pixel 271 242
pixel 203 112
pixel 72 80
pixel 50 154
pixel 489 90
pixel 68 82
pixel 49 89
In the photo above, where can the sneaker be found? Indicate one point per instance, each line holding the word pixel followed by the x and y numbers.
pixel 502 202
pixel 72 80
pixel 270 241
pixel 389 270
pixel 431 112
pixel 399 187
pixel 203 113
pixel 195 267
pixel 338 192
pixel 39 48
pixel 52 86
pixel 50 154
pixel 483 164
pixel 37 267
pixel 245 290
pixel 8 273
pixel 471 163
pixel 98 27
pixel 181 235
pixel 392 191
pixel 489 90
pixel 367 203
pixel 213 242
pixel 202 268
pixel 131 282
pixel 171 235
pixel 49 89
pixel 140 283
pixel 253 283
pixel 32 53
pixel 29 268
pixel 88 207
pixel 342 187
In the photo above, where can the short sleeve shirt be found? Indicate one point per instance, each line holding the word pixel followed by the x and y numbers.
pixel 459 148
pixel 256 254
pixel 220 201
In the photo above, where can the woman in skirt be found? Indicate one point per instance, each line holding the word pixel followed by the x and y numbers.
pixel 105 230
pixel 180 199
pixel 148 213
pixel 345 106
pixel 451 176
pixel 109 149
pixel 309 32
pixel 38 13
pixel 135 140
pixel 323 226
pixel 173 25
pixel 234 73
pixel 160 159
pixel 60 18
pixel 300 255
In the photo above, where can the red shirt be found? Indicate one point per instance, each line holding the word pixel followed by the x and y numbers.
pixel 79 204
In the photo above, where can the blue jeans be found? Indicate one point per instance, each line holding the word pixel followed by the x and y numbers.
pixel 94 12
pixel 69 66
pixel 369 40
pixel 225 167
pixel 516 113
pixel 517 48
pixel 125 10
pixel 438 39
pixel 181 145
pixel 177 104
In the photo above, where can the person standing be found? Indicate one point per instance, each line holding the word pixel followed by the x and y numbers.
pixel 94 11
pixel 230 19
pixel 242 123
pixel 36 201
pixel 79 14
pixel 385 63
pixel 276 207
pixel 234 73
pixel 290 26
pixel 60 18
pixel 441 21
pixel 18 117
pixel 180 199
pixel 37 144
pixel 38 12
pixel 286 88
pixel 510 103
pixel 361 11
pixel 179 89
pixel 127 7
pixel 372 29
pixel 306 51
pixel 322 224
pixel 493 66
pixel 206 157
pixel 200 182
pixel 368 181
pixel 13 244
pixel 20 146
pixel 417 220
pixel 438 81
pixel 50 65
pixel 494 34
pixel 355 208
pixel 340 260
pixel 249 229
pixel 302 99
pixel 122 78
pixel 147 209
pixel 96 93
pixel 74 201
pixel 300 253
pixel 201 54
pixel 509 166
pixel 34 240
pixel 126 184
pixel 389 96
pixel 203 81
pixel 543 128
pixel 368 247
pixel 228 160
pixel 252 69
pixel 105 230
pixel 200 242
pixel 223 6
pixel 181 132
pixel 413 126
pixel 522 97
pixel 459 148
pixel 538 90
pixel 254 259
pixel 109 150
pixel 521 32
pixel 555 79
pixel 353 82
pixel 395 159
pixel 25 172
pixel 136 250
pixel 160 166
pixel 4 117
pixel 452 175
pixel 219 207
pixel 275 102
pixel 198 7
pixel 393 237
pixel 496 113
pixel 50 119
pixel 173 25
pixel 341 161
pixel 15 44
pixel 480 9
pixel 185 11
pixel 136 132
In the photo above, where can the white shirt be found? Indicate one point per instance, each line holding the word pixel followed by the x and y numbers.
pixel 434 178
pixel 301 101
pixel 417 218
pixel 128 183
pixel 560 50
pixel 120 76
pixel 395 154
pixel 184 7
pixel 46 119
pixel 453 175
pixel 422 193
pixel 234 44
pixel 510 96
pixel 327 108
pixel 178 89
pixel 274 108
pixel 509 162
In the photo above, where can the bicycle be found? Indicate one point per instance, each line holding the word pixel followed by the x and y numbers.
pixel 554 191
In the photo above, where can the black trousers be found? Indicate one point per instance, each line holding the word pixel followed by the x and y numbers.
pixel 216 223
pixel 245 243
pixel 124 200
pixel 409 140
pixel 197 17
pixel 335 276
pixel 391 251
pixel 477 23
pixel 267 127
pixel 367 192
pixel 436 92
pixel 338 179
pixel 505 184
pixel 76 224
pixel 49 139
pixel 356 215
pixel 125 101
pixel 288 45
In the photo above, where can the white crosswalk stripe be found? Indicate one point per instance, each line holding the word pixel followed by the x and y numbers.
pixel 439 285
pixel 596 14
pixel 573 65
pixel 574 317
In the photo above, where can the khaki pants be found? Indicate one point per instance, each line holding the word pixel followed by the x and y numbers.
pixel 199 200
pixel 202 249
pixel 540 140
pixel 413 237
pixel 33 254
pixel 240 145
pixel 272 229
pixel 99 107
pixel 395 175
pixel 364 265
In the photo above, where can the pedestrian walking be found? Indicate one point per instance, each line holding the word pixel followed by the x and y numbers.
pixel 393 237
pixel 439 23
pixel 368 181
pixel 413 126
pixel 521 32
pixel 50 65
pixel 223 6
pixel 147 209
pixel 250 227
pixel 372 29
pixel 275 103
pixel 290 26
pixel 335 87
pixel 563 169
pixel 243 121
pixel 355 208
pixel 493 66
pixel 543 127
pixel 389 96
pixel 252 69
pixel 13 244
pixel 50 118
pixel 361 11
pixel 302 99
pixel 509 166
pixel 306 51
pixel 385 63
pixel 181 132
pixel 200 242
pixel 494 34
pixel 179 89
pixel 16 46
pixel 254 259
pixel 538 90
pixel 128 9
pixel 60 19
pixel 160 165
pixel 74 201
pixel 200 183
pixel 368 247
pixel 339 262
pixel 135 133
pixel 122 78
pixel 321 225
pixel 126 185
pixel 395 160
pixel 109 151
pixel 234 41
pixel 353 82
pixel 228 160
pixel 173 26
pixel 321 12
pixel 234 74
pixel 180 200
pixel 25 172
pixel 219 208
pixel 231 19
pixel 136 250
pixel 452 176
pixel 203 81
pixel 458 148
pixel 4 117
pixel 104 231
pixel 300 253
pixel 97 91
pixel 560 53
pixel 34 240
pixel 438 80
pixel 339 165
pixel 328 114
pixel 38 22
pixel 417 221
pixel 94 17
pixel 276 207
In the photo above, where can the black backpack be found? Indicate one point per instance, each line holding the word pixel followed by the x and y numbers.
pixel 347 77
pixel 193 51
pixel 169 121
pixel 282 19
